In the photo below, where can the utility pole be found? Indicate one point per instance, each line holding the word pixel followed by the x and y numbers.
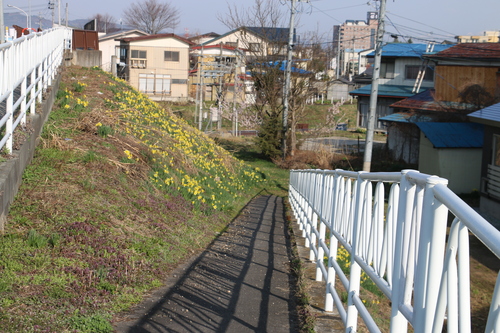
pixel 235 92
pixel 219 98
pixel 200 85
pixel 59 8
pixel 51 7
pixel 374 92
pixel 288 71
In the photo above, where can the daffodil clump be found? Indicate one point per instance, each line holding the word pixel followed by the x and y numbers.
pixel 185 160
pixel 344 261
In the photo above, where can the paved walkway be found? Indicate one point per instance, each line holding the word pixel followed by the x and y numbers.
pixel 241 283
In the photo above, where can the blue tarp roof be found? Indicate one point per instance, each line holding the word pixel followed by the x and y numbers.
pixel 282 67
pixel 411 50
pixel 385 90
pixel 453 135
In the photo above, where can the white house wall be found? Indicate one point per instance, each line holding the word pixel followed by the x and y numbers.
pixel 158 66
pixel 400 70
pixel 461 166
pixel 109 46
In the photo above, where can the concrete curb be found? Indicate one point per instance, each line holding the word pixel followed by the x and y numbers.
pixel 324 321
pixel 11 171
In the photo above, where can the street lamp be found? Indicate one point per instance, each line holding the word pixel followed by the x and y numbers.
pixel 27 24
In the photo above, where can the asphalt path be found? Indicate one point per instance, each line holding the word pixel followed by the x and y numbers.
pixel 241 283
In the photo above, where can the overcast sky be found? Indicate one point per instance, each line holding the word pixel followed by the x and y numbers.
pixel 422 20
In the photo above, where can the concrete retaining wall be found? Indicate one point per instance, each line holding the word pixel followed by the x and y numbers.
pixel 86 58
pixel 11 171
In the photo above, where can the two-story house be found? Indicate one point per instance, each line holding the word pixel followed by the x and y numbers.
pixel 259 42
pixel 400 66
pixel 156 65
pixel 467 78
pixel 109 44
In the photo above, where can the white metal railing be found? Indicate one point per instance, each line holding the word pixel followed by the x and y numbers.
pixel 394 226
pixel 27 67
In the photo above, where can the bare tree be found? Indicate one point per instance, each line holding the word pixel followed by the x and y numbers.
pixel 263 13
pixel 152 16
pixel 105 23
pixel 267 18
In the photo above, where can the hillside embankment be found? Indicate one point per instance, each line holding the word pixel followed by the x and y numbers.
pixel 120 191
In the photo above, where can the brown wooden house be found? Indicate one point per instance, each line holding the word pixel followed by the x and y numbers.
pixel 467 72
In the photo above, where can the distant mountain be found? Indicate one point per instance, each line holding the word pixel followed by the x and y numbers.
pixel 19 19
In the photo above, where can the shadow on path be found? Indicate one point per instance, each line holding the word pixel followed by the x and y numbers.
pixel 241 283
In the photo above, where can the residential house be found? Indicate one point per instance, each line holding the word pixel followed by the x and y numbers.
pixel 487 37
pixel 339 89
pixel 403 133
pixel 258 42
pixel 490 161
pixel 200 39
pixel 400 66
pixel 157 65
pixel 109 45
pixel 466 79
pixel 464 68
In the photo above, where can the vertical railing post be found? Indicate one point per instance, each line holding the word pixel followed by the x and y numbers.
pixel 398 321
pixel 355 269
pixel 430 258
pixel 333 246
pixel 23 102
pixel 322 227
pixel 33 91
pixel 314 215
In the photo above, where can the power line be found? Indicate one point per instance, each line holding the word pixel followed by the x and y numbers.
pixel 422 23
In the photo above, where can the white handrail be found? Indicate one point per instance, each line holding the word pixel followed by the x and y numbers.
pixel 27 67
pixel 399 239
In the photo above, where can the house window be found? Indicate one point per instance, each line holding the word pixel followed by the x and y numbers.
pixel 138 59
pixel 157 84
pixel 387 69
pixel 254 47
pixel 171 56
pixel 137 54
pixel 496 150
pixel 411 73
pixel 123 54
pixel 179 81
pixel 231 44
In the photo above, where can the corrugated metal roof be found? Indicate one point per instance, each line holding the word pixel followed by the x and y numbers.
pixel 271 34
pixel 453 135
pixel 385 91
pixel 424 101
pixel 410 50
pixel 158 36
pixel 488 116
pixel 470 51
pixel 402 117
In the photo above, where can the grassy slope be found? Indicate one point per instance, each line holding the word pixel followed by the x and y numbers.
pixel 118 193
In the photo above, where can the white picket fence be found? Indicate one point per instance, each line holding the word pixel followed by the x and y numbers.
pixel 394 226
pixel 27 67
